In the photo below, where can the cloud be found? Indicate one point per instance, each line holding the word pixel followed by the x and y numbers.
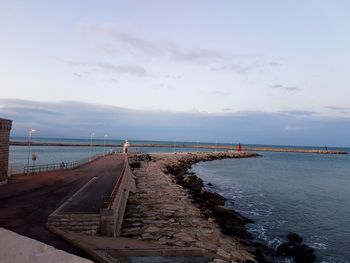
pixel 275 64
pixel 112 80
pixel 78 75
pixel 336 108
pixel 227 109
pixel 160 86
pixel 299 112
pixel 276 86
pixel 140 44
pixel 237 68
pixel 112 68
pixel 133 70
pixel 131 40
pixel 195 55
pixel 285 88
pixel 73 119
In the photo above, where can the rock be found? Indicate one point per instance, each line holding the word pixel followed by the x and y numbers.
pixel 294 237
pixel 152 229
pixel 212 197
pixel 210 184
pixel 217 260
pixel 222 253
pixel 193 183
pixel 300 253
pixel 135 164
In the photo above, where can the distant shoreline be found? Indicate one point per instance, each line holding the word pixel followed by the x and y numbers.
pixel 180 146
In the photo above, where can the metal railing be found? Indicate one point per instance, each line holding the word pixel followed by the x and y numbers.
pixel 57 166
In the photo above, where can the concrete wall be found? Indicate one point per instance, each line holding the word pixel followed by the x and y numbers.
pixel 112 217
pixel 5 128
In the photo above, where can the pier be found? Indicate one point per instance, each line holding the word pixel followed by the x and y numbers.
pixel 30 202
pixel 190 146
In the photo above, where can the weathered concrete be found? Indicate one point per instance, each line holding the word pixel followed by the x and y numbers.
pixel 110 249
pixel 5 128
pixel 112 216
pixel 16 248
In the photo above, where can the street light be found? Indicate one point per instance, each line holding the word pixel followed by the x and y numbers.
pixel 29 142
pixel 91 135
pixel 104 144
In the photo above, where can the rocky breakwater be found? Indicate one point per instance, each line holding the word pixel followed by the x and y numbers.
pixel 232 223
pixel 163 211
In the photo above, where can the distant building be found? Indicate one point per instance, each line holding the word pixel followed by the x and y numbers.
pixel 126 147
pixel 5 128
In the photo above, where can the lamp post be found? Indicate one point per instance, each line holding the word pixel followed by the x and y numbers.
pixel 104 145
pixel 29 142
pixel 91 135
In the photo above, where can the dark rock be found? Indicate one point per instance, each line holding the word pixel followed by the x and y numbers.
pixel 230 221
pixel 210 184
pixel 300 253
pixel 193 183
pixel 212 197
pixel 294 237
pixel 135 164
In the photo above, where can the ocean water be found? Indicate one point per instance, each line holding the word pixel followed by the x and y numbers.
pixel 305 193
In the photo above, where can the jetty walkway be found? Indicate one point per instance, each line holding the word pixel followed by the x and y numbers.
pixel 221 147
pixel 26 202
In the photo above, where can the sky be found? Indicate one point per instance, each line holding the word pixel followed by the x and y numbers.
pixel 270 72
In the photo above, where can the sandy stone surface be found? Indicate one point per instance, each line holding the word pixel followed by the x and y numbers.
pixel 162 211
pixel 16 248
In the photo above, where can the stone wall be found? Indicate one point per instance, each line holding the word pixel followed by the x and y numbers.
pixel 5 127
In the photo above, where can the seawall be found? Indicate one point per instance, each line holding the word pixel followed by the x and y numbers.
pixel 181 146
pixel 165 212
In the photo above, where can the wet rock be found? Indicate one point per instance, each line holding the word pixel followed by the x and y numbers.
pixel 300 253
pixel 230 221
pixel 212 197
pixel 193 183
pixel 294 237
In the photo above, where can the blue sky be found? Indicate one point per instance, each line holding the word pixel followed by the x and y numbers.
pixel 282 63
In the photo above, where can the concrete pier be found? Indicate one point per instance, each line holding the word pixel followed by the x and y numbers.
pixel 5 128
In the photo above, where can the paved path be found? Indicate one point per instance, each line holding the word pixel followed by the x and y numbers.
pixel 26 202
pixel 93 197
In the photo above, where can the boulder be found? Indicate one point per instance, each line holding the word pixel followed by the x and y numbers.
pixel 300 253
pixel 212 197
pixel 294 237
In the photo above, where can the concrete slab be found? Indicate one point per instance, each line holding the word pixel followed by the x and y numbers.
pixel 16 248
pixel 108 249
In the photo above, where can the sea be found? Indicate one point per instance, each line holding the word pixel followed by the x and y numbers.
pixel 300 192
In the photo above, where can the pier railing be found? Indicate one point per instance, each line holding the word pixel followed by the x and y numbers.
pixel 57 166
